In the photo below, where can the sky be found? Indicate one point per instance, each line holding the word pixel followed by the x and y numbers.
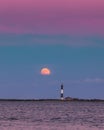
pixel 65 36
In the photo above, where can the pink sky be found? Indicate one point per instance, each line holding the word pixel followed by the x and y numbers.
pixel 52 16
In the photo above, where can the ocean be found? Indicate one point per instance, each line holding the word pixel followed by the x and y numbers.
pixel 51 115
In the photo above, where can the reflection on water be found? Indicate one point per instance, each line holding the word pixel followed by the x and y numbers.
pixel 53 115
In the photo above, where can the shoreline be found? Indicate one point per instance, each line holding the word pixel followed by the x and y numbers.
pixel 64 100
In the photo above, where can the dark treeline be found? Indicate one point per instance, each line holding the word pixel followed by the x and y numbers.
pixel 66 99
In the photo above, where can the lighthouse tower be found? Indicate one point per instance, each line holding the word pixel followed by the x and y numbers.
pixel 62 92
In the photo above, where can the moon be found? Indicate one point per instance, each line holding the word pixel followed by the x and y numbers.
pixel 45 71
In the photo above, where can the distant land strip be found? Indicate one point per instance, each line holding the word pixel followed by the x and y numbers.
pixel 66 99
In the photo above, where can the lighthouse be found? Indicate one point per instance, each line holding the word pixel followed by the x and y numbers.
pixel 62 92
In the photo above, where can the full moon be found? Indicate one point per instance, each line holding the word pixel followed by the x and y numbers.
pixel 45 71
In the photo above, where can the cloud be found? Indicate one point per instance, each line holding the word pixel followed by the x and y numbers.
pixel 96 80
pixel 80 81
pixel 87 80
pixel 52 26
pixel 75 41
pixel 68 40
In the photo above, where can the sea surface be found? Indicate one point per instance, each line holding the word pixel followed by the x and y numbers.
pixel 51 115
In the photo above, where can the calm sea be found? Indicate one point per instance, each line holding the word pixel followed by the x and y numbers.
pixel 51 115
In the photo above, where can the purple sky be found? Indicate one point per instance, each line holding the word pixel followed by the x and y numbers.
pixel 74 17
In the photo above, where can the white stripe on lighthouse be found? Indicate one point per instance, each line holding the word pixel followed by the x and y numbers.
pixel 62 91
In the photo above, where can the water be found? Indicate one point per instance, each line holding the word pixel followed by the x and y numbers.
pixel 51 115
